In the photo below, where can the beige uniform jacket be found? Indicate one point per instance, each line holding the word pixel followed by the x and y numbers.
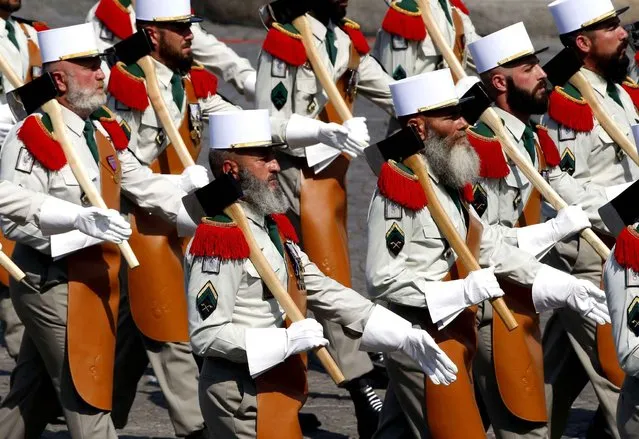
pixel 417 57
pixel 207 50
pixel 19 204
pixel 150 191
pixel 305 95
pixel 241 303
pixel 426 256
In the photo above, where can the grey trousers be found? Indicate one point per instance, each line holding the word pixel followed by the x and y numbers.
pixel 628 409
pixel 13 327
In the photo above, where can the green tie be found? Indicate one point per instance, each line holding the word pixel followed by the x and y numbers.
pixel 177 89
pixel 330 45
pixel 11 31
pixel 444 4
pixel 529 142
pixel 89 135
pixel 612 91
pixel 454 194
pixel 274 234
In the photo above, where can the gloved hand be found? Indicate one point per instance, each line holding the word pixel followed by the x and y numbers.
pixel 385 331
pixel 304 131
pixel 59 216
pixel 481 285
pixel 569 220
pixel 359 130
pixel 249 86
pixel 193 177
pixel 303 336
pixel 555 289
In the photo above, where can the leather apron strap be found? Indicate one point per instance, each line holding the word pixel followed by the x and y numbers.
pixel 35 59
pixel 94 297
pixel 460 36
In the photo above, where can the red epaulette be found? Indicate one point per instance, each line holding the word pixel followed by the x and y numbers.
pixel 569 108
pixel 459 4
pixel 114 14
pixel 285 227
pixel 127 85
pixel 40 26
pixel 285 42
pixel 404 18
pixel 627 248
pixel 398 183
pixel 219 237
pixel 204 82
pixel 120 133
pixel 491 158
pixel 548 147
pixel 358 39
pixel 36 133
pixel 632 88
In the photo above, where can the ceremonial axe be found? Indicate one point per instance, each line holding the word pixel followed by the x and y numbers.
pixel 41 92
pixel 221 195
pixel 404 147
pixel 564 67
pixel 492 119
pixel 136 49
pixel 621 211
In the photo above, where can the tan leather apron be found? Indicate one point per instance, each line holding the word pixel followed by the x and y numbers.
pixel 94 296
pixel 156 287
pixel 323 204
pixel 460 37
pixel 518 355
pixel 282 391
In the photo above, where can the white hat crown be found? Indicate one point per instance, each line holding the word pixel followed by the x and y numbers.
pixel 239 129
pixel 162 10
pixel 501 47
pixel 571 15
pixel 69 42
pixel 424 92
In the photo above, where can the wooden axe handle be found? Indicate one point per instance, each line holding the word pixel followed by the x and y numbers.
pixel 581 83
pixel 60 133
pixel 11 267
pixel 302 25
pixel 443 222
pixel 8 72
pixel 271 280
pixel 162 111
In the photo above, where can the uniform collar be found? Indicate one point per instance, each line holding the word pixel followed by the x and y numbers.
pixel 318 29
pixel 3 26
pixel 514 125
pixel 74 122
pixel 598 82
pixel 163 73
pixel 252 215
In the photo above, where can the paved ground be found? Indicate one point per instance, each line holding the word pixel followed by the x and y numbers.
pixel 331 405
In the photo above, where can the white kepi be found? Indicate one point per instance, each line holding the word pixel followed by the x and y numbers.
pixel 425 92
pixel 240 129
pixel 502 47
pixel 572 15
pixel 165 11
pixel 69 42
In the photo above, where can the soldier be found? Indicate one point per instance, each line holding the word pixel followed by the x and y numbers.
pixel 253 380
pixel 315 185
pixel 598 169
pixel 411 265
pixel 70 306
pixel 504 198
pixel 114 20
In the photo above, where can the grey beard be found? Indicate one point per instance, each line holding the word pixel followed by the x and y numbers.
pixel 84 101
pixel 264 200
pixel 455 165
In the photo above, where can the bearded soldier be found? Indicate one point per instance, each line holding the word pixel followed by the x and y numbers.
pixel 70 304
pixel 253 380
pixel 598 169
pixel 411 265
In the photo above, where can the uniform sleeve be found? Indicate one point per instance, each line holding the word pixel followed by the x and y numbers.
pixel 211 299
pixel 374 84
pixel 217 104
pixel 275 93
pixel 221 59
pixel 19 204
pixel 620 298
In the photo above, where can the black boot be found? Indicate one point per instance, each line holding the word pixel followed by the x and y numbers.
pixel 200 434
pixel 367 406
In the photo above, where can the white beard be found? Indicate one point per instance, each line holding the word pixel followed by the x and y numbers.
pixel 261 197
pixel 455 165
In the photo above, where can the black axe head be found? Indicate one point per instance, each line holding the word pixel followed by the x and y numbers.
pixel 27 99
pixel 561 68
pixel 621 211
pixel 285 11
pixel 130 50
pixel 219 194
pixel 401 145
pixel 474 103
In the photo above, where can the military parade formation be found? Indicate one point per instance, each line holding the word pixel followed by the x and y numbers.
pixel 505 189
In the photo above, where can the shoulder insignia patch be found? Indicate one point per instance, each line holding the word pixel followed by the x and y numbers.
pixel 567 162
pixel 206 300
pixel 119 133
pixel 480 203
pixel 404 18
pixel 392 211
pixel 398 183
pixel 114 14
pixel 632 88
pixel 395 239
pixel 211 265
pixel 569 108
pixel 127 85
pixel 358 39
pixel 627 248
pixel 219 237
pixel 37 135
pixel 279 95
pixel 491 158
pixel 204 82
pixel 25 161
pixel 283 41
pixel 548 147
pixel 633 316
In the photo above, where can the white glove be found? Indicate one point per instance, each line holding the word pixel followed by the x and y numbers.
pixel 249 86
pixel 445 300
pixel 266 348
pixel 539 238
pixel 193 177
pixel 385 331
pixel 59 216
pixel 304 131
pixel 359 130
pixel 555 289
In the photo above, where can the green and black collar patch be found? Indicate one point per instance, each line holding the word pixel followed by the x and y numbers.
pixel 567 163
pixel 206 300
pixel 480 202
pixel 395 239
pixel 279 95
